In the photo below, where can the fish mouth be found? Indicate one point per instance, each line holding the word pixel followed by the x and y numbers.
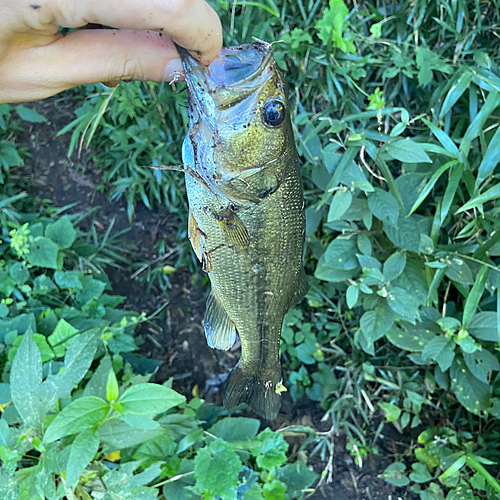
pixel 233 75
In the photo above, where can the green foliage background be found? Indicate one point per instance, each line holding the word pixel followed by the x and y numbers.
pixel 395 109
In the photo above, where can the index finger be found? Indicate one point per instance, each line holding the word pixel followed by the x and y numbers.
pixel 193 24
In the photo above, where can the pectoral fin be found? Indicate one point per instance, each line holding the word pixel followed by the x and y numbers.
pixel 233 228
pixel 219 329
pixel 196 236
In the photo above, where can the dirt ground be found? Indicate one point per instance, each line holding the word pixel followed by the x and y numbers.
pixel 178 341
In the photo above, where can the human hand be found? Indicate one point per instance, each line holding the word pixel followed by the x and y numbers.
pixel 36 61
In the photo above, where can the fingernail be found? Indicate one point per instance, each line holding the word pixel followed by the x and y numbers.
pixel 174 71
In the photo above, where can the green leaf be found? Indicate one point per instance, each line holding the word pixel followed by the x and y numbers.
pixel 61 337
pixel 441 350
pixel 394 266
pixel 29 114
pixel 274 490
pixel 409 338
pixel 483 326
pixel 112 390
pixel 80 415
pixel 376 323
pixel 118 434
pixel 69 280
pixel 453 469
pixel 253 493
pixel 82 452
pixel 455 93
pixel 352 296
pixel 91 289
pixel 43 253
pixel 402 303
pixel 406 234
pixel 407 151
pixel 472 394
pixel 392 412
pixel 481 363
pixel 475 295
pixel 341 202
pixel 430 185
pixel 305 353
pixel 383 206
pixel 451 189
pixel 490 158
pixel 19 273
pixel 43 285
pixel 149 399
pixel 420 473
pixel 492 194
pixel 216 469
pixel 395 474
pixel 25 384
pixel 155 450
pixel 460 272
pixel 341 254
pixel 61 232
pixel 297 478
pixel 272 449
pixel 443 138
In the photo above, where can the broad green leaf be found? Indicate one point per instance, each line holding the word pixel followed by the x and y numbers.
pixel 43 253
pixel 407 151
pixel 82 451
pixel 253 493
pixel 364 244
pixel 274 490
pixel 91 289
pixel 471 393
pixel 406 234
pixel 492 194
pixel 367 262
pixel 341 254
pixel 26 383
pixel 69 280
pixel 480 363
pixel 149 399
pixel 96 386
pixel 383 206
pixel 341 202
pixel 420 473
pixel 61 232
pixel 352 296
pixel 305 353
pixel 9 487
pixel 79 357
pixel 80 415
pixel 392 412
pixel 122 484
pixel 140 421
pixel 297 477
pixel 43 285
pixel 217 468
pixel 41 342
pixel 155 450
pixel 402 303
pixel 475 295
pixel 394 266
pixel 441 350
pixel 460 272
pixel 432 182
pixel 483 326
pixel 272 449
pixel 112 390
pixel 29 114
pixel 376 323
pixel 395 474
pixel 61 337
pixel 453 469
pixel 409 338
pixel 119 435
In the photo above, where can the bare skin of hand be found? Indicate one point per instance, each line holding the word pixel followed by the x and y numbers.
pixel 37 61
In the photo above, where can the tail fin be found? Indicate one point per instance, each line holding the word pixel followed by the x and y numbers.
pixel 261 391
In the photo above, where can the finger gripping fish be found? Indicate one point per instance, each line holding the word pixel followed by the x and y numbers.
pixel 246 220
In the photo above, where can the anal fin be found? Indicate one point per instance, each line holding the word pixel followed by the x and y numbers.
pixel 219 329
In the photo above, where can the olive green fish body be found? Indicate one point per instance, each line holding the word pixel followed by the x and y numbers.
pixel 246 226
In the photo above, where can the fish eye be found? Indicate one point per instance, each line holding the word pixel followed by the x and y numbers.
pixel 273 112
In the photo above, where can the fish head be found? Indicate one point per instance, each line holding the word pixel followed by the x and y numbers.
pixel 239 121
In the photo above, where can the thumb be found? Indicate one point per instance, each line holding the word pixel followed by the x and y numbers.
pixel 87 56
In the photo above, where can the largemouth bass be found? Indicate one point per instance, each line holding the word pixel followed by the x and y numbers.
pixel 246 221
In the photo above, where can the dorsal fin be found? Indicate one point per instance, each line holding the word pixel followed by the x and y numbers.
pixel 219 329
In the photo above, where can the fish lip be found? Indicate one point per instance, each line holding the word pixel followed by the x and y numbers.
pixel 200 82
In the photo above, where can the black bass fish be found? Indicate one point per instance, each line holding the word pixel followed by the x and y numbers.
pixel 246 221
